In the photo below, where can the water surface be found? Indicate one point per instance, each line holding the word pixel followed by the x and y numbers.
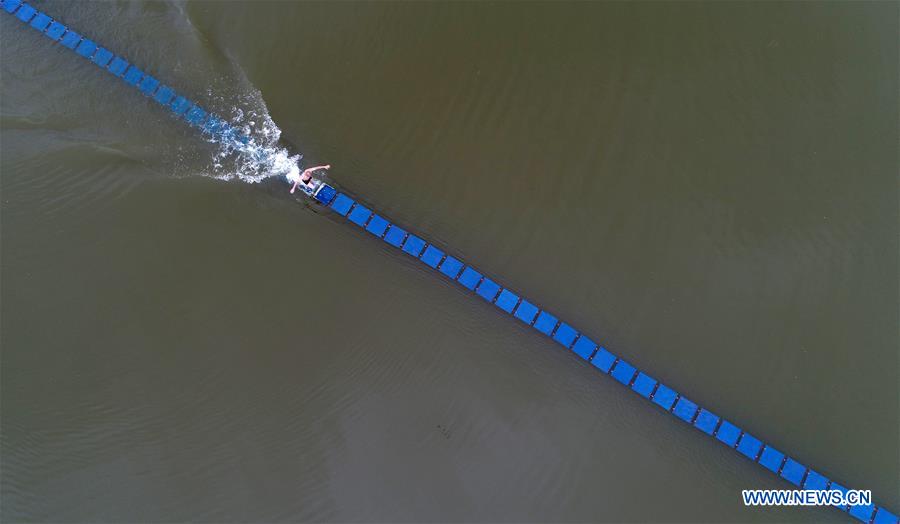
pixel 710 189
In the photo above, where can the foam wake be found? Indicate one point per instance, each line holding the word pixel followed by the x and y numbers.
pixel 254 152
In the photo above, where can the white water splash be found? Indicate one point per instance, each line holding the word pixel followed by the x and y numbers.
pixel 260 158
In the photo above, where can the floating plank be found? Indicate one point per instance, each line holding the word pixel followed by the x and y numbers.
pixel 545 323
pixel 603 359
pixel 360 215
pixel 469 278
pixel 837 487
pixel 414 245
pixel 884 516
pixel 195 115
pixel 793 471
pixel 132 76
pixel 180 105
pixel 644 385
pixel 685 409
pixel 25 13
pixel 118 66
pixel 706 421
pixel 664 396
pixel 55 31
pixel 771 458
pixel 40 21
pixel 213 125
pixel 324 195
pixel 815 481
pixel 507 300
pixel 10 6
pixel 728 433
pixel 148 85
pixel 863 512
pixel 749 446
pixel 526 312
pixel 565 335
pixel 70 39
pixel 623 372
pixel 86 48
pixel 584 347
pixel 164 95
pixel 432 256
pixel 342 204
pixel 102 56
pixel 451 266
pixel 488 289
pixel 377 226
pixel 395 235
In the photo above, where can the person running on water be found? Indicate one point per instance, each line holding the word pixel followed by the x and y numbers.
pixel 306 176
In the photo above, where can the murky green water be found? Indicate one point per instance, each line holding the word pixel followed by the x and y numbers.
pixel 708 188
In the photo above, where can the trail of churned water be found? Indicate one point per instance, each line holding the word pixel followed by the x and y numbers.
pixel 259 158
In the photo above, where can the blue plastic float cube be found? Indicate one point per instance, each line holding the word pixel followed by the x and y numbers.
pixel 164 95
pixel 323 195
pixel 565 335
pixel 664 397
pixel 360 215
pixel 603 360
pixel 793 471
pixel 749 446
pixel 815 481
pixel 643 385
pixel 771 458
pixel 394 236
pixel 148 85
pixel 706 421
pixel 118 66
pixel 25 13
pixel 451 266
pixel 55 31
pixel 213 125
pixel 545 323
pixel 179 105
pixel 728 433
pixel 10 5
pixel 342 204
pixel 377 226
pixel 487 289
pixel 40 22
pixel 885 517
pixel 86 48
pixel 432 256
pixel 70 39
pixel 226 134
pixel 837 487
pixel 623 372
pixel 526 312
pixel 584 347
pixel 413 245
pixel 507 300
pixel 862 513
pixel 102 56
pixel 195 115
pixel 132 76
pixel 685 409
pixel 469 278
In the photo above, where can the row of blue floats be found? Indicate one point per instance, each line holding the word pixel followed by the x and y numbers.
pixel 463 274
pixel 598 356
pixel 131 75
